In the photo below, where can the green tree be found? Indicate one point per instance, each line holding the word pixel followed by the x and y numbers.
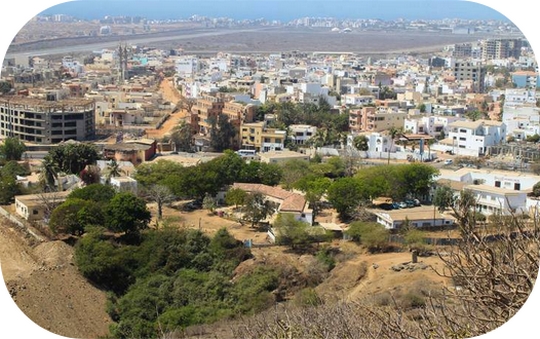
pixel 372 235
pixel 74 216
pixel 49 172
pixel 291 232
pixel 99 193
pixel 392 133
pixel 314 189
pixel 73 158
pixel 12 149
pixel 9 188
pixel 256 208
pixel 222 133
pixel 536 190
pixel 209 203
pixel 113 170
pixel 127 213
pixel 443 198
pixel 236 197
pixel 345 194
pixel 182 136
pixel 360 142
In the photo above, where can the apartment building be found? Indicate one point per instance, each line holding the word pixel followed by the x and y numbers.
pixel 300 134
pixel 205 108
pixel 501 48
pixel 43 121
pixel 471 71
pixel 259 137
pixel 376 119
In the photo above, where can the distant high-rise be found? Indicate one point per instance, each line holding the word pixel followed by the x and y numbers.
pixel 501 48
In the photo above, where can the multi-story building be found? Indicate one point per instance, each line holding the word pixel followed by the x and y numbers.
pixel 299 134
pixel 206 108
pixel 462 50
pixel 472 138
pixel 526 79
pixel 471 71
pixel 259 137
pixel 376 119
pixel 44 121
pixel 239 113
pixel 501 48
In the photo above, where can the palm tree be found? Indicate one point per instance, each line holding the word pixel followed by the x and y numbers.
pixel 49 172
pixel 113 170
pixel 393 133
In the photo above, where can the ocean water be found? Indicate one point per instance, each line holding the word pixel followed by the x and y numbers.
pixel 283 10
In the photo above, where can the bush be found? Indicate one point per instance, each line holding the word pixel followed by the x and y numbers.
pixel 307 297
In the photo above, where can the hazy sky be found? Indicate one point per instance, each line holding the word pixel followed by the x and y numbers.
pixel 283 10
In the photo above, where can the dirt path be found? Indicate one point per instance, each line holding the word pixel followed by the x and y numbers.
pixel 169 94
pixel 47 287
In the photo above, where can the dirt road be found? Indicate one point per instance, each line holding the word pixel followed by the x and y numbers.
pixel 171 94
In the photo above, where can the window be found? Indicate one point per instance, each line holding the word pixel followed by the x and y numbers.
pixel 34 212
pixel 497 184
pixel 517 186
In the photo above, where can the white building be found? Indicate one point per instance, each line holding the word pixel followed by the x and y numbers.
pixel 521 121
pixel 491 200
pixel 187 66
pixel 432 125
pixel 472 138
pixel 519 96
pixel 299 134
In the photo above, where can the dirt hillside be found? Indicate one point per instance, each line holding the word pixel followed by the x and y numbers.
pixel 47 287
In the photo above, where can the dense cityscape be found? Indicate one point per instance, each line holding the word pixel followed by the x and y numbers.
pixel 304 193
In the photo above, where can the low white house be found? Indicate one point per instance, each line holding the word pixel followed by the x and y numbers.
pixel 424 216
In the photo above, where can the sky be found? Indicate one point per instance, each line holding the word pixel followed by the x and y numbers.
pixel 283 10
pixel 14 324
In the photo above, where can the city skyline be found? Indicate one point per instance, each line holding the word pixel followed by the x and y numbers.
pixel 279 9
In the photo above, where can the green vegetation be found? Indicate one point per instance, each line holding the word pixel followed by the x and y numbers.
pixel 173 279
pixel 372 235
pixel 12 149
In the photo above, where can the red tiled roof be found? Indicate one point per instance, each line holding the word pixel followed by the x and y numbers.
pixel 291 202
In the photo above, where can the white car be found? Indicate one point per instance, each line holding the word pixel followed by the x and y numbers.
pixel 448 161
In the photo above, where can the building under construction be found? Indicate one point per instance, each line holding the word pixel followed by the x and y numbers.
pixel 42 121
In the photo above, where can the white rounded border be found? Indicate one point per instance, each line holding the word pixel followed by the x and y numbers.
pixel 14 15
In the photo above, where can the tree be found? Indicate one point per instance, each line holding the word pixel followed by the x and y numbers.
pixel 372 235
pixel 314 188
pixel 209 203
pixel 9 188
pixel 392 133
pixel 127 213
pixel 345 194
pixel 99 193
pixel 73 158
pixel 256 208
pixel 113 170
pixel 161 195
pixel 443 198
pixel 361 143
pixel 236 197
pixel 49 172
pixel 536 190
pixel 222 133
pixel 74 216
pixel 12 149
pixel 291 232
pixel 182 137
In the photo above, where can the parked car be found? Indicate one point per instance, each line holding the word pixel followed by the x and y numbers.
pixel 402 204
pixel 386 207
pixel 448 161
pixel 395 205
